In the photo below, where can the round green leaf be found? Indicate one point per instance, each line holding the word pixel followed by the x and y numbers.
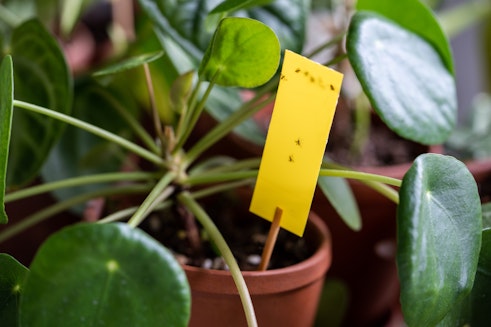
pixel 404 77
pixel 439 237
pixel 104 275
pixel 12 276
pixel 416 17
pixel 243 52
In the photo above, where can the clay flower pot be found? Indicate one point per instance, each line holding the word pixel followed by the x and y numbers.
pixel 281 297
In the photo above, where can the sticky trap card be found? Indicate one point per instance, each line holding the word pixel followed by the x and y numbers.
pixel 302 117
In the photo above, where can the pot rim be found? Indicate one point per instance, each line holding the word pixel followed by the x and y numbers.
pixel 274 280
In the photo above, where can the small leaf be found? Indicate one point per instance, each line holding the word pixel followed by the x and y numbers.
pixel 6 108
pixel 104 275
pixel 439 237
pixel 416 17
pixel 339 194
pixel 129 63
pixel 12 277
pixel 243 52
pixel 404 77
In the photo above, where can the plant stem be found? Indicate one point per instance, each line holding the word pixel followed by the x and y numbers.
pixel 155 115
pixel 152 198
pixel 351 174
pixel 219 177
pixel 194 115
pixel 64 205
pixel 221 244
pixel 77 181
pixel 226 126
pixel 130 146
pixel 132 122
pixel 383 189
pixel 336 59
pixel 338 38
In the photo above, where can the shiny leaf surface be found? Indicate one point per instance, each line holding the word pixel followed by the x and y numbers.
pixel 404 77
pixel 104 275
pixel 439 237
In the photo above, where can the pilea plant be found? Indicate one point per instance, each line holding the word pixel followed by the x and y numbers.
pixel 95 272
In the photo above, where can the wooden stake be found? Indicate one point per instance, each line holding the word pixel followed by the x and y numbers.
pixel 271 240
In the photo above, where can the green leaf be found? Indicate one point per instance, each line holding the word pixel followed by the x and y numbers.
pixel 129 63
pixel 104 275
pixel 42 78
pixel 181 26
pixel 404 77
pixel 243 52
pixel 439 237
pixel 6 108
pixel 416 17
pixel 12 277
pixel 339 194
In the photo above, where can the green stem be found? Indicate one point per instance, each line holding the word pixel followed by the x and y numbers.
pixel 326 45
pixel 226 126
pixel 78 181
pixel 194 115
pixel 130 146
pixel 383 189
pixel 351 174
pixel 152 198
pixel 135 125
pixel 206 178
pixel 64 205
pixel 226 253
pixel 336 59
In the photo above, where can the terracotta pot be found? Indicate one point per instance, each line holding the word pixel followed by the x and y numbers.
pixel 281 297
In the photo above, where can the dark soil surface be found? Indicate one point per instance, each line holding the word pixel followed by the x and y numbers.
pixel 244 232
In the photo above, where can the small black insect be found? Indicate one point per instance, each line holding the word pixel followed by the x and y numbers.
pixel 290 158
pixel 298 142
pixel 332 87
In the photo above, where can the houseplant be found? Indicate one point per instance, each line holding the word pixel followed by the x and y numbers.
pixel 425 184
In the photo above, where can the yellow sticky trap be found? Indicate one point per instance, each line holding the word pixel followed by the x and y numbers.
pixel 302 117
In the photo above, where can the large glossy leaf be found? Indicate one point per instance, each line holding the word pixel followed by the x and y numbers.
pixel 104 275
pixel 339 194
pixel 404 77
pixel 474 309
pixel 416 17
pixel 439 237
pixel 12 277
pixel 181 26
pixel 42 78
pixel 6 108
pixel 243 52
